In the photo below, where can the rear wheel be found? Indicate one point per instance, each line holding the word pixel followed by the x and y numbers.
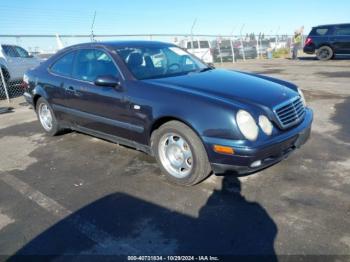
pixel 180 154
pixel 47 118
pixel 324 53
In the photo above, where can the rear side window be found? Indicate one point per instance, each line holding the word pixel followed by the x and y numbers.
pixel 204 44
pixel 343 31
pixel 320 31
pixel 91 63
pixel 21 52
pixel 195 45
pixel 63 66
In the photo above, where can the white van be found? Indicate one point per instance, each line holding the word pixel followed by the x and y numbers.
pixel 200 48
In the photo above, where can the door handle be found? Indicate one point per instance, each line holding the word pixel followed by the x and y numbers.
pixel 70 89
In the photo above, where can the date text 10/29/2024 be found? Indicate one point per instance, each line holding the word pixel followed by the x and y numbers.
pixel 173 258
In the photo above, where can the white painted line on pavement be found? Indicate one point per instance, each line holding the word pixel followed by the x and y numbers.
pixel 5 220
pixel 87 228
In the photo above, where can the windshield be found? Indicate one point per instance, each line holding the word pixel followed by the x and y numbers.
pixel 159 62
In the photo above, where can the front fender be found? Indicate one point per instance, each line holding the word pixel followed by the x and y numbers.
pixel 207 118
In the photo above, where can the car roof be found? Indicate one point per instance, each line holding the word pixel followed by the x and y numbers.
pixel 124 43
pixel 329 25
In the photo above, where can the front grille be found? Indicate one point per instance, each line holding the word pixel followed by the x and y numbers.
pixel 290 112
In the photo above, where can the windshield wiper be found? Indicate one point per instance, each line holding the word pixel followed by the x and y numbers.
pixel 205 69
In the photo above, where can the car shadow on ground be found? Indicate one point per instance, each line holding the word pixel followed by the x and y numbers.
pixel 227 224
pixel 341 117
pixel 314 58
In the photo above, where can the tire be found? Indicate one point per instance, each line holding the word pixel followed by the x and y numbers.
pixel 175 144
pixel 324 53
pixel 2 88
pixel 52 129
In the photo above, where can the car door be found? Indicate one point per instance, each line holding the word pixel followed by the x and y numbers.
pixel 342 39
pixel 60 77
pixel 100 109
pixel 193 48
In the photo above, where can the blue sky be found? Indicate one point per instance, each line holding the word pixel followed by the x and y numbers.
pixel 156 16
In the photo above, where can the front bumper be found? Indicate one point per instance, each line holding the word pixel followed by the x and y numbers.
pixel 269 153
pixel 28 97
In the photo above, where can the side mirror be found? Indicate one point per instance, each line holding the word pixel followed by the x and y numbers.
pixel 211 65
pixel 107 80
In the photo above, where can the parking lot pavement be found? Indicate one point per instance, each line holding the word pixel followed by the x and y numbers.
pixel 75 194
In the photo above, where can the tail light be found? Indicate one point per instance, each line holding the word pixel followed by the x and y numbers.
pixel 25 82
pixel 308 41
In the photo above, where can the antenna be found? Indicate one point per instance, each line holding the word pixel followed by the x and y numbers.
pixel 92 36
pixel 194 23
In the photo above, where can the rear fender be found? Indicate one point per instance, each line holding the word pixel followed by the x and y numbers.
pixel 38 92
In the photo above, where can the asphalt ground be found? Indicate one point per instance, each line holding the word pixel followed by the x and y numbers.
pixel 78 195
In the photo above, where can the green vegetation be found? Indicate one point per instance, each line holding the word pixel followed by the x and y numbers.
pixel 281 53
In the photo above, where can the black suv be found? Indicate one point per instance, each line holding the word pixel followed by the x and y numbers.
pixel 328 40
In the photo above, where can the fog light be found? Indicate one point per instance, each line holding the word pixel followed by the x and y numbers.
pixel 256 163
pixel 223 149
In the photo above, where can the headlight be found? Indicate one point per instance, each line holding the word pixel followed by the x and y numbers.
pixel 265 125
pixel 247 125
pixel 302 96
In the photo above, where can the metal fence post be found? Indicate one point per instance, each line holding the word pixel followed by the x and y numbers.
pixel 233 51
pixel 218 43
pixel 4 85
pixel 242 48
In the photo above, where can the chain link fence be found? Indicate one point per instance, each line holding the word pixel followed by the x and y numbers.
pixel 10 88
pixel 223 47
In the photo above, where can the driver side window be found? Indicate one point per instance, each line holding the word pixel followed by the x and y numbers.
pixel 91 63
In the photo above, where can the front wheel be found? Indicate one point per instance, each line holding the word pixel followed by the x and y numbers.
pixel 324 53
pixel 180 154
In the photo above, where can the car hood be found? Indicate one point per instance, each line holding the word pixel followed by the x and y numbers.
pixel 232 85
